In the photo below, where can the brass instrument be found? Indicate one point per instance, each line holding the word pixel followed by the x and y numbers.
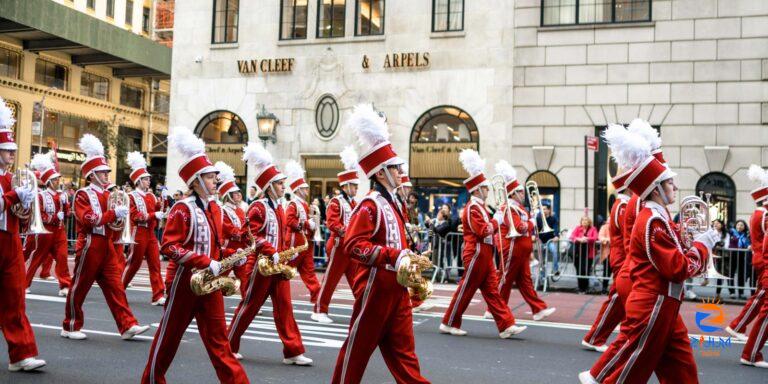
pixel 500 195
pixel 532 190
pixel 24 178
pixel 119 198
pixel 695 219
pixel 268 268
pixel 409 274
pixel 204 282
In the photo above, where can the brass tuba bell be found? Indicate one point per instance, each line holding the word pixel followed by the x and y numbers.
pixel 23 178
pixel 695 219
pixel 534 198
pixel 119 198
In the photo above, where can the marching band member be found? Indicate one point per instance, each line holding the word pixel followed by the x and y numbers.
pixel 751 354
pixel 234 225
pixel 479 230
pixel 612 311
pixel 299 222
pixel 758 224
pixel 381 315
pixel 337 215
pixel 22 350
pixel 516 251
pixel 145 214
pixel 95 259
pixel 266 223
pixel 193 240
pixel 411 229
pixel 660 266
pixel 40 248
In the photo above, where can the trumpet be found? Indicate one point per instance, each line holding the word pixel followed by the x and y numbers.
pixel 500 197
pixel 534 198
pixel 268 268
pixel 204 282
pixel 695 219
pixel 24 178
pixel 119 198
pixel 409 274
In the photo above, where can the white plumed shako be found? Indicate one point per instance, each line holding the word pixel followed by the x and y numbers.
pixel 373 134
pixel 474 165
pixel 192 151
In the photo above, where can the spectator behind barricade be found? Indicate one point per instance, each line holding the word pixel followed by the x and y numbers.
pixel 252 195
pixel 550 239
pixel 442 225
pixel 584 237
pixel 722 263
pixel 318 236
pixel 604 237
pixel 741 262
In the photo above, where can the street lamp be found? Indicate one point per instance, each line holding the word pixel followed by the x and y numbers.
pixel 267 122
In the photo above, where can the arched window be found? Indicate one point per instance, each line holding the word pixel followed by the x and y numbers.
pixel 326 116
pixel 722 192
pixel 222 127
pixel 549 189
pixel 445 124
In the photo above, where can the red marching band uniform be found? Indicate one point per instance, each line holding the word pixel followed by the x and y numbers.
pixel 145 215
pixel 338 213
pixel 192 240
pixel 299 228
pixel 235 228
pixel 95 259
pixel 381 315
pixel 266 223
pixel 22 350
pixel 516 251
pixel 39 249
pixel 479 231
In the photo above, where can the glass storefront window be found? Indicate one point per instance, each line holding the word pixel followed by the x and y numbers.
pixel 222 127
pixel 51 74
pixel 330 18
pixel 131 96
pixel 370 17
pixel 10 61
pixel 293 19
pixel 444 124
pixel 94 86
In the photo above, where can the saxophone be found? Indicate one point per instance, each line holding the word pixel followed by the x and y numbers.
pixel 409 274
pixel 204 282
pixel 268 268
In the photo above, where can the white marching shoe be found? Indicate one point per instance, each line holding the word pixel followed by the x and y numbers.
pixel 74 335
pixel 50 278
pixel 423 307
pixel 487 315
pixel 511 331
pixel 452 331
pixel 599 348
pixel 64 292
pixel 758 364
pixel 26 365
pixel 298 360
pixel 735 334
pixel 586 378
pixel 159 302
pixel 541 315
pixel 321 318
pixel 238 356
pixel 27 291
pixel 134 331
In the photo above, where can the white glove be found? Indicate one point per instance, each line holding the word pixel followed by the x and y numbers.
pixel 498 217
pixel 63 198
pixel 708 238
pixel 121 212
pixel 25 195
pixel 215 267
pixel 241 261
pixel 275 259
pixel 403 254
pixel 159 215
pixel 60 215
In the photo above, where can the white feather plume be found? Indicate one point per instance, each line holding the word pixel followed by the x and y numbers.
pixel 614 136
pixel 255 154
pixel 349 158
pixel 186 142
pixel 370 127
pixel 644 129
pixel 40 162
pixel 226 173
pixel 136 160
pixel 471 161
pixel 91 145
pixel 505 169
pixel 757 174
pixel 6 115
pixel 293 170
pixel 633 150
pixel 405 169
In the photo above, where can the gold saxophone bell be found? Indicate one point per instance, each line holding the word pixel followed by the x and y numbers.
pixel 25 178
pixel 534 198
pixel 119 198
pixel 409 274
pixel 204 282
pixel 268 268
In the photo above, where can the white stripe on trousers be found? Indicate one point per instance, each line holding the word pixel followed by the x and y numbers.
pixel 353 332
pixel 643 339
pixel 72 291
pixel 464 285
pixel 757 347
pixel 325 275
pixel 508 265
pixel 602 318
pixel 246 300
pixel 165 319
pixel 752 306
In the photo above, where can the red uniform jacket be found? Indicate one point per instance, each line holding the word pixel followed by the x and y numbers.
pixel 50 206
pixel 616 233
pixel 659 263
pixel 8 221
pixel 297 222
pixel 89 221
pixel 144 218
pixel 337 216
pixel 630 214
pixel 266 222
pixel 479 228
pixel 757 225
pixel 235 228
pixel 523 226
pixel 376 232
pixel 183 226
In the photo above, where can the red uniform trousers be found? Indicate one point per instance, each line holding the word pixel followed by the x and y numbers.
pixel 656 342
pixel 13 317
pixel 42 250
pixel 752 307
pixel 338 264
pixel 208 311
pixel 279 290
pixel 240 272
pixel 148 248
pixel 622 286
pixel 95 260
pixel 305 264
pixel 380 318
pixel 45 268
pixel 517 270
pixel 479 274
pixel 610 315
pixel 759 333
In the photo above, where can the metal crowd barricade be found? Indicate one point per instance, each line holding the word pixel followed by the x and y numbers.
pixel 567 264
pixel 736 265
pixel 446 256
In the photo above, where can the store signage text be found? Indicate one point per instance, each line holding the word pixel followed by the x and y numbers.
pixel 70 157
pixel 228 153
pixel 401 60
pixel 279 65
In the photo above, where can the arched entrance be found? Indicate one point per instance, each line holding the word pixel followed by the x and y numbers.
pixel 225 134
pixel 437 137
pixel 722 192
